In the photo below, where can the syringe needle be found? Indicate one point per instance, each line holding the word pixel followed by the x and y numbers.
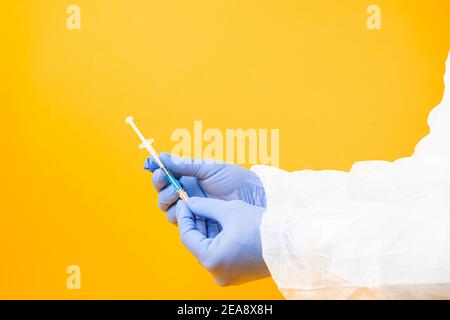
pixel 147 145
pixel 130 121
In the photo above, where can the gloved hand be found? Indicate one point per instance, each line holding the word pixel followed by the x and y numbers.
pixel 233 255
pixel 206 179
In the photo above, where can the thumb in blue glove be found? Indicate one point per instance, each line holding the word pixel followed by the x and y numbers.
pixel 232 253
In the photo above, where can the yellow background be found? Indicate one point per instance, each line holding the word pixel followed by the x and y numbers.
pixel 73 188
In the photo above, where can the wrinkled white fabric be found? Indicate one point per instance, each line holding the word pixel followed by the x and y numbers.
pixel 379 231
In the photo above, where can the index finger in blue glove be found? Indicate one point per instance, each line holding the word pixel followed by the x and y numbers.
pixel 151 165
pixel 190 167
pixel 192 238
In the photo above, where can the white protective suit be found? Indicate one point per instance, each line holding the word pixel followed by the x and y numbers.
pixel 380 231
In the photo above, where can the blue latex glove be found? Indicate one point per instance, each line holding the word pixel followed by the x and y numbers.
pixel 233 255
pixel 207 179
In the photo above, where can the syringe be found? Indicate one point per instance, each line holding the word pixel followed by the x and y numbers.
pixel 147 144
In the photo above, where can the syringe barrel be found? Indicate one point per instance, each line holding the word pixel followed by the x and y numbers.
pixel 173 181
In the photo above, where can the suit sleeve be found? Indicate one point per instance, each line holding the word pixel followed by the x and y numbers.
pixel 381 230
